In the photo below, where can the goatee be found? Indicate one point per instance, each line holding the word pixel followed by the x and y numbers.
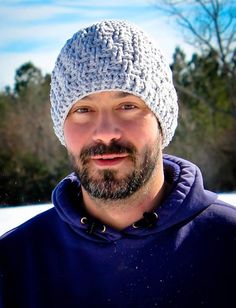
pixel 105 184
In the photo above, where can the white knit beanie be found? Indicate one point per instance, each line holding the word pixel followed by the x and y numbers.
pixel 113 55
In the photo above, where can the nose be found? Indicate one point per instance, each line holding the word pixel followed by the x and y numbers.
pixel 106 129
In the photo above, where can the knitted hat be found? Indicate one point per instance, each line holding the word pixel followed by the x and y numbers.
pixel 113 55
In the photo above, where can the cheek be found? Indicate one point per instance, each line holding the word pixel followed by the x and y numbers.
pixel 74 136
pixel 147 130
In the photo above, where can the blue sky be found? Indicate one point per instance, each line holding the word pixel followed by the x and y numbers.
pixel 36 30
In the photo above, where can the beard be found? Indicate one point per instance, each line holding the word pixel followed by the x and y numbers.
pixel 106 184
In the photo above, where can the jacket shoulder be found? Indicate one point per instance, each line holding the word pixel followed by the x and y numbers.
pixel 219 218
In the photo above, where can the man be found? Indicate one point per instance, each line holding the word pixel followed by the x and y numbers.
pixel 130 227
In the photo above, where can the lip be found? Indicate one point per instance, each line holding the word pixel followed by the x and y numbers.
pixel 109 160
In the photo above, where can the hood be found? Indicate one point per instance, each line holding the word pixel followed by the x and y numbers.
pixel 187 198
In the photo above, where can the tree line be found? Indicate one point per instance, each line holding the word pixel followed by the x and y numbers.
pixel 31 159
pixel 206 87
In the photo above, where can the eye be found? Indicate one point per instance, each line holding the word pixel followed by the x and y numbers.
pixel 128 107
pixel 82 110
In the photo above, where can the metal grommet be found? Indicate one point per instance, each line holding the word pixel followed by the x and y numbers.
pixel 104 229
pixel 134 226
pixel 84 220
pixel 156 215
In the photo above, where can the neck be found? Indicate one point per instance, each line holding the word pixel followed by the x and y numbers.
pixel 120 214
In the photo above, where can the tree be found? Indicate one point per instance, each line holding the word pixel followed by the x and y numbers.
pixel 206 87
pixel 27 75
pixel 210 26
pixel 31 159
pixel 203 131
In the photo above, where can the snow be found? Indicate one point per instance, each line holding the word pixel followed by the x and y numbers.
pixel 228 197
pixel 12 217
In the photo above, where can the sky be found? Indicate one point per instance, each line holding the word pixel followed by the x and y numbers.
pixel 36 30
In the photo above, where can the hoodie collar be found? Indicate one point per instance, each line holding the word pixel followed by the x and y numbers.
pixel 186 198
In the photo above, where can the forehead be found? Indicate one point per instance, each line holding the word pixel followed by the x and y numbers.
pixel 115 95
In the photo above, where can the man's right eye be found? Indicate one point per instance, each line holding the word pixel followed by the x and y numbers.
pixel 82 110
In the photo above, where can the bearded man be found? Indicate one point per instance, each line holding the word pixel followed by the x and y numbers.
pixel 131 227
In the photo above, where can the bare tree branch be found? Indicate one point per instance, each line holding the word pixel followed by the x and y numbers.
pixel 210 26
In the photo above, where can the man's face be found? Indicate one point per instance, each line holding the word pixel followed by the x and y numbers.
pixel 114 143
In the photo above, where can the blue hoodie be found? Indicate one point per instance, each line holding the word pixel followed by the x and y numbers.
pixel 64 258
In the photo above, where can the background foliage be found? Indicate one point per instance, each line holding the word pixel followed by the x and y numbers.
pixel 31 158
pixel 206 87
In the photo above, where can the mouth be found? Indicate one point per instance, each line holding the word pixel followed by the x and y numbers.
pixel 108 160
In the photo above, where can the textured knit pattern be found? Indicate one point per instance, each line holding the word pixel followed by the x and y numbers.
pixel 113 55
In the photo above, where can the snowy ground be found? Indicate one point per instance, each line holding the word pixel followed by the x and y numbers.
pixel 14 216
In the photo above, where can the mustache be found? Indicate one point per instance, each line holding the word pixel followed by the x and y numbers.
pixel 113 148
